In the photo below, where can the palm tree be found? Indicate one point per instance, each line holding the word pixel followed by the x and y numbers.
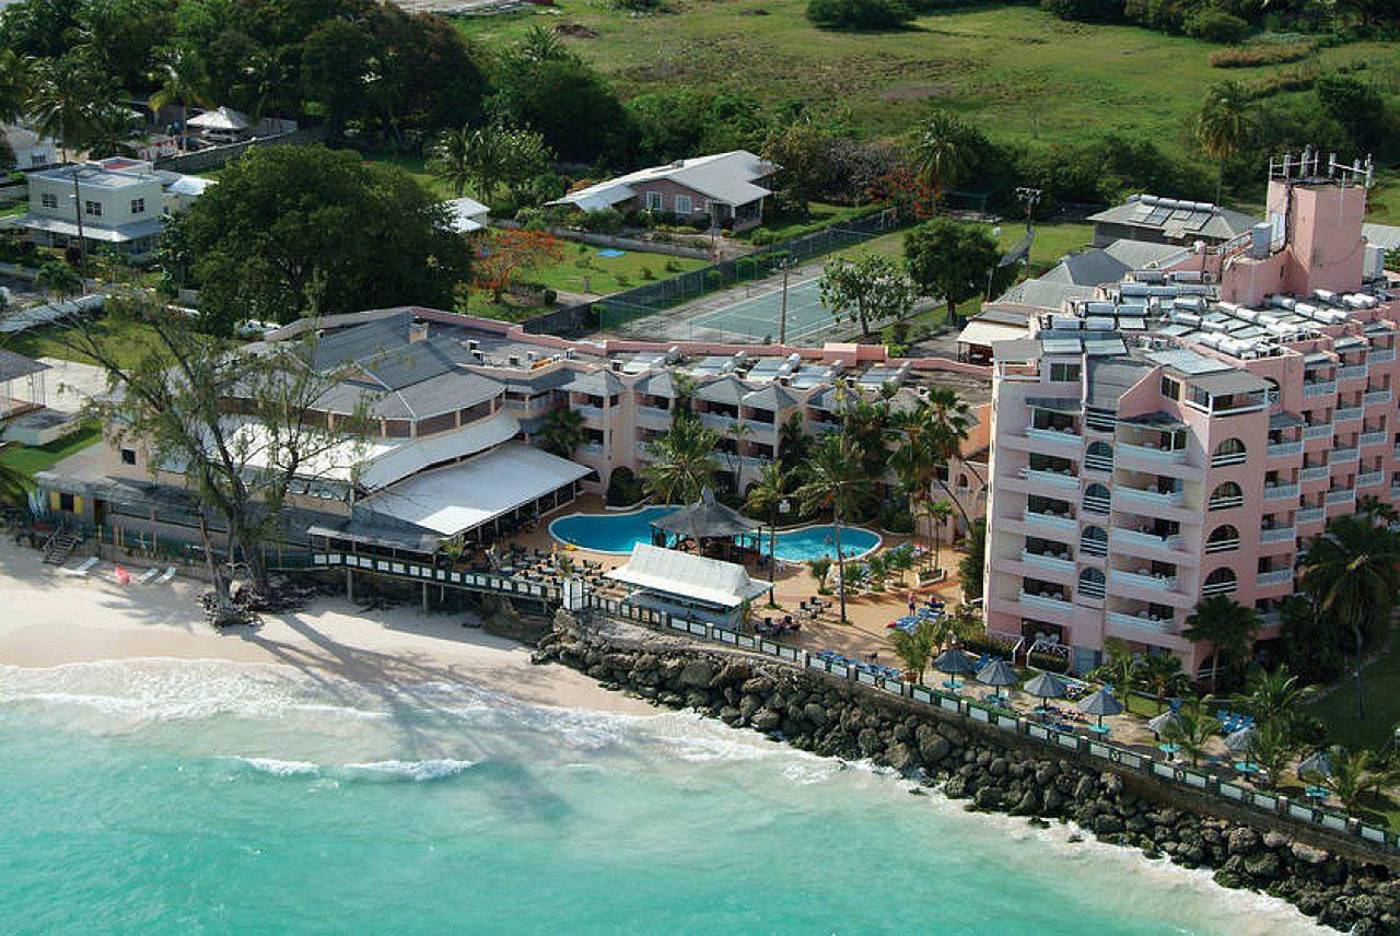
pixel 65 101
pixel 451 159
pixel 1379 510
pixel 793 442
pixel 261 79
pixel 540 45
pixel 181 79
pixel 479 156
pixel 1161 674
pixel 1226 625
pixel 943 152
pixel 1272 750
pixel 58 280
pixel 16 80
pixel 820 568
pixel 915 648
pixel 1274 698
pixel 1351 775
pixel 1224 123
pixel 1119 668
pixel 973 564
pixel 1192 728
pixel 562 432
pixel 835 482
pixel 937 513
pixel 1351 572
pixel 765 496
pixel 684 463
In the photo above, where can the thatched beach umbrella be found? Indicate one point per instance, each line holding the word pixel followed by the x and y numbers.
pixel 1161 723
pixel 1242 742
pixel 998 673
pixel 1315 764
pixel 1047 686
pixel 953 662
pixel 1101 703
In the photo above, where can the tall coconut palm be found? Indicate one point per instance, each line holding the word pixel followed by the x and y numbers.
pixel 180 78
pixel 1352 572
pixel 937 514
pixel 1192 728
pixel 451 159
pixel 1223 123
pixel 1227 626
pixel 65 101
pixel 916 648
pixel 16 80
pixel 1274 698
pixel 1352 774
pixel 1161 674
pixel 944 152
pixel 835 482
pixel 562 432
pixel 766 495
pixel 1273 751
pixel 684 463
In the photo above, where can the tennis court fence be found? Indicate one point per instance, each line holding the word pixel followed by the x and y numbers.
pixel 624 307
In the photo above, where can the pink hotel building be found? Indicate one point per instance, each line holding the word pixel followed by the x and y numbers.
pixel 1186 434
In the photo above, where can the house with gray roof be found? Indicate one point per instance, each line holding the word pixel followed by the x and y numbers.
pixel 1169 221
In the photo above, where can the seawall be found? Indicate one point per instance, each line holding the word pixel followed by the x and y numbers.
pixel 993 771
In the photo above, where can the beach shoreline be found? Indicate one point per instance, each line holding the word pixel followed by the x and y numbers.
pixel 49 619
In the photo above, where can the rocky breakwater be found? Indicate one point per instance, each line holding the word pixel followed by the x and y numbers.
pixel 828 717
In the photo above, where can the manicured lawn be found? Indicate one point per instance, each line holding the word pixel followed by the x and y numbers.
pixel 1017 72
pixel 130 339
pixel 1381 681
pixel 819 215
pixel 582 270
pixel 28 460
pixel 416 166
pixel 1383 201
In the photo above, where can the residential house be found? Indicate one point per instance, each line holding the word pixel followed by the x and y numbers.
pixel 1169 221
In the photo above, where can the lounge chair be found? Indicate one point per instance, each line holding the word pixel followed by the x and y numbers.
pixel 167 575
pixel 149 574
pixel 81 571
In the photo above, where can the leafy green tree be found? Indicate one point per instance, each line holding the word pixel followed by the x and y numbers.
pixel 1352 573
pixel 950 259
pixel 945 151
pixel 766 495
pixel 1224 123
pixel 303 230
pixel 58 280
pixel 487 157
pixel 916 648
pixel 336 63
pixel 1227 626
pixel 1161 674
pixel 1354 104
pixel 835 482
pixel 800 150
pixel 870 289
pixel 562 432
pixel 65 101
pixel 1192 729
pixel 1120 668
pixel 683 462
pixel 859 14
pixel 568 104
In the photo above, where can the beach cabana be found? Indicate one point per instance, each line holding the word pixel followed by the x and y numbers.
pixel 1101 703
pixel 688 586
pixel 707 521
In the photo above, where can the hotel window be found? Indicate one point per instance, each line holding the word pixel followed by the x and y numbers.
pixel 684 206
pixel 128 456
pixel 138 206
pixel 654 201
pixel 48 200
pixel 93 208
pixel 1171 389
pixel 1064 373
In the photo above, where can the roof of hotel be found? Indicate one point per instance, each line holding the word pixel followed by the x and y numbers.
pixel 689 577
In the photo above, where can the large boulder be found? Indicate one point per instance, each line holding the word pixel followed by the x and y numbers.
pixel 696 674
pixel 765 719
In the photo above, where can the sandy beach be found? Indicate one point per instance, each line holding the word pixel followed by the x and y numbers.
pixel 50 619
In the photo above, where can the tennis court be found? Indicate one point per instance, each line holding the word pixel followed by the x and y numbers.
pixel 759 316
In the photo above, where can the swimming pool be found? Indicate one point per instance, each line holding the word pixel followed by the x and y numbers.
pixel 618 533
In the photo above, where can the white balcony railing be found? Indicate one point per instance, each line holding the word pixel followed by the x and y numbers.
pixel 1381 355
pixel 1320 388
pixel 1347 414
pixel 1151 498
pixel 1053 436
pixel 1140 621
pixel 1377 397
pixel 1370 479
pixel 1319 431
pixel 1160 583
pixel 1048 602
pixel 1281 492
pixel 1050 521
pixel 653 414
pixel 1275 577
pixel 1167 456
pixel 1285 449
pixel 1278 535
pixel 1368 439
pixel 1351 372
pixel 1048 561
pixel 719 421
pixel 1344 455
pixel 1315 472
pixel 1128 538
pixel 1335 498
pixel 589 412
pixel 1065 482
pixel 1310 515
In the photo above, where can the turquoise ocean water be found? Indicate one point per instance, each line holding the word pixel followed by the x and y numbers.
pixel 200 797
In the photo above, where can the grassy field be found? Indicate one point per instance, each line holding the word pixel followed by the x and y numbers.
pixel 130 338
pixel 1019 73
pixel 1381 681
pixel 1052 241
pixel 30 459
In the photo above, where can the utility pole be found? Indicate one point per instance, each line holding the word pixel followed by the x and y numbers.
pixel 782 316
pixel 82 241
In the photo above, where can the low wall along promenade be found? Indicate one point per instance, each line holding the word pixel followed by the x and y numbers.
pixel 1329 869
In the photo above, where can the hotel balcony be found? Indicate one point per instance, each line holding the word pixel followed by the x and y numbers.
pixel 1378 397
pixel 1146 455
pixel 594 413
pixel 1286 534
pixel 653 417
pixel 1281 492
pixel 719 422
pixel 1051 523
pixel 1157 583
pixel 1319 431
pixel 1149 546
pixel 1315 473
pixel 1275 577
pixel 1381 355
pixel 1310 515
pixel 591 448
pixel 1054 563
pixel 1341 498
pixel 1046 603
pixel 1141 621
pixel 1285 449
pixel 1055 441
pixel 1394 492
pixel 1345 455
pixel 1347 414
pixel 1369 439
pixel 1350 372
pixel 1319 388
pixel 1132 497
pixel 1370 479
pixel 1050 479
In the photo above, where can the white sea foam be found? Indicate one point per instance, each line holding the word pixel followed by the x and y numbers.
pixel 281 768
pixel 417 771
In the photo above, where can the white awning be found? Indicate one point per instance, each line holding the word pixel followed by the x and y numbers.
pixel 409 458
pixel 982 333
pixel 694 578
pixel 462 497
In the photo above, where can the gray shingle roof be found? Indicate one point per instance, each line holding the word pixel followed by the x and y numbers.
pixel 13 366
pixel 1110 378
pixel 726 390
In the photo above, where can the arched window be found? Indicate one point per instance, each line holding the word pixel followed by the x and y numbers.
pixel 1096 498
pixel 1225 496
pixel 1094 541
pixel 1091 583
pixel 1229 452
pixel 1099 455
pixel 1222 581
pixel 962 482
pixel 1224 538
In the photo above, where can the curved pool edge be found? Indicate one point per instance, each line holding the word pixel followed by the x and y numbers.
pixel 879 540
pixel 610 514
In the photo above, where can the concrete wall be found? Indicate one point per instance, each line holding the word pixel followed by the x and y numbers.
pixel 216 156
